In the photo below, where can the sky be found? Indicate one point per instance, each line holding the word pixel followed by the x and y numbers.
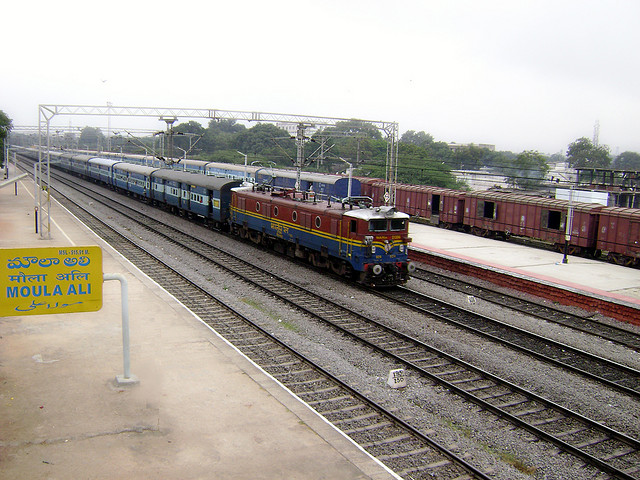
pixel 518 74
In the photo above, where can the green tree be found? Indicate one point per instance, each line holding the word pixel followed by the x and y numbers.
pixel 91 138
pixel 627 161
pixel 220 135
pixel 469 158
pixel 267 140
pixel 415 167
pixel 5 127
pixel 187 134
pixel 421 139
pixel 528 170
pixel 354 127
pixel 584 154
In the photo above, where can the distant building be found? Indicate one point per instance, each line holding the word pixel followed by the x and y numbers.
pixel 459 146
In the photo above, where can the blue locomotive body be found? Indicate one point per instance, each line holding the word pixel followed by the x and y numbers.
pixel 368 244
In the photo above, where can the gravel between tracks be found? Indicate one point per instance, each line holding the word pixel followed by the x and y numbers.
pixel 492 444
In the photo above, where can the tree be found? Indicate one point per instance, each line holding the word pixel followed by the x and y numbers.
pixel 627 161
pixel 186 134
pixel 528 170
pixel 267 140
pixel 5 127
pixel 91 138
pixel 220 135
pixel 469 158
pixel 584 154
pixel 421 139
pixel 354 127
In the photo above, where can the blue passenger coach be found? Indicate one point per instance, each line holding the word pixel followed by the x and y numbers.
pixel 101 169
pixel 133 178
pixel 201 195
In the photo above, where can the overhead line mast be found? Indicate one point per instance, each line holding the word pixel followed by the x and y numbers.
pixel 46 112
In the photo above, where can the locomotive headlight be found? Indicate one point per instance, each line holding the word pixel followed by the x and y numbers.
pixel 377 269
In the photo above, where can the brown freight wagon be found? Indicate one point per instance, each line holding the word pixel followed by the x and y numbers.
pixel 619 235
pixel 501 215
pixel 439 206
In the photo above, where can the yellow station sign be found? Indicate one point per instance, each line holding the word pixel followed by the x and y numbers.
pixel 42 281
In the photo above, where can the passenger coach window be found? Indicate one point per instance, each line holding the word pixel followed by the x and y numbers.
pixel 377 225
pixel 398 224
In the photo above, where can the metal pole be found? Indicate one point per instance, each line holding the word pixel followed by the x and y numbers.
pixel 39 175
pixel 35 193
pixel 127 378
pixel 245 165
pixel 568 226
pixel 48 182
pixel 300 153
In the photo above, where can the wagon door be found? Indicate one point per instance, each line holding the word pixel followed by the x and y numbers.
pixel 184 197
pixel 634 239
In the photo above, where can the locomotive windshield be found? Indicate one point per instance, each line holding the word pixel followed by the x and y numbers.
pixel 398 224
pixel 381 224
pixel 378 225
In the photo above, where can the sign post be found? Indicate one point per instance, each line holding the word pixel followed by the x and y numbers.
pixel 49 280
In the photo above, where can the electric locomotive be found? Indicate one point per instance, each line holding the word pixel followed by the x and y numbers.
pixel 349 236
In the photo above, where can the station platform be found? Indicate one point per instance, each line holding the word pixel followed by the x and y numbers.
pixel 200 410
pixel 541 269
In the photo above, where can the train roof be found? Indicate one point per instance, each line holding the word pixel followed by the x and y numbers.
pixel 530 200
pixel 103 161
pixel 306 202
pixel 135 168
pixel 187 161
pixel 383 212
pixel 235 167
pixel 327 178
pixel 81 157
pixel 197 179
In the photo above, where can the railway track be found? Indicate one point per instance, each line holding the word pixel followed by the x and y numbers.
pixel 612 374
pixel 548 313
pixel 611 451
pixel 405 449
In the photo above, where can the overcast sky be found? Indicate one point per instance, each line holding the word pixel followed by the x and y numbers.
pixel 520 74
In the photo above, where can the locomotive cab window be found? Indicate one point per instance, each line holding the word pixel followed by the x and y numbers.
pixel 377 225
pixel 398 224
pixel 353 226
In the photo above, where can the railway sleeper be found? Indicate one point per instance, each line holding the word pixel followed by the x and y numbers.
pixel 620 453
pixel 368 428
pixel 399 439
pixel 358 418
pixel 590 442
pixel 341 398
pixel 430 466
pixel 408 453
pixel 350 408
